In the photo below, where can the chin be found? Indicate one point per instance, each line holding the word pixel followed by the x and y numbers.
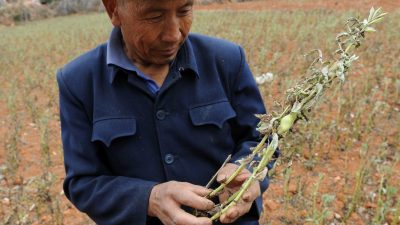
pixel 163 61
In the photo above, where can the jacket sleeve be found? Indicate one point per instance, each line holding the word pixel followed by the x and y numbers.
pixel 89 183
pixel 247 101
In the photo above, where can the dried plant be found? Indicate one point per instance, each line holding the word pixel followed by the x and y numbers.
pixel 300 100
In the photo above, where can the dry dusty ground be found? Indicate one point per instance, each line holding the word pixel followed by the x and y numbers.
pixel 388 5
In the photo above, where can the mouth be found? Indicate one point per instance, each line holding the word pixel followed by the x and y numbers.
pixel 168 51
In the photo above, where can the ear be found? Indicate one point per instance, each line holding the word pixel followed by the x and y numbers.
pixel 112 11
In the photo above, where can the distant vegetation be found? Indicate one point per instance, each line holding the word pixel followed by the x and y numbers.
pixel 14 11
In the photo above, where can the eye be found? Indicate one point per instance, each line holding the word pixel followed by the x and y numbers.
pixel 154 17
pixel 185 11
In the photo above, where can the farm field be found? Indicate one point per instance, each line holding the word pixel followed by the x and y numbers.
pixel 342 167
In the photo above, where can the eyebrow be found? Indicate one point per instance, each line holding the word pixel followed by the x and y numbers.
pixel 155 8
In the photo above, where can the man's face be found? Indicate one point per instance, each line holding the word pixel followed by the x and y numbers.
pixel 153 30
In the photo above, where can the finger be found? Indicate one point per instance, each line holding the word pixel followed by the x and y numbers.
pixel 181 217
pixel 238 181
pixel 252 193
pixel 230 216
pixel 226 171
pixel 244 205
pixel 233 213
pixel 243 176
pixel 192 199
pixel 236 212
pixel 224 195
pixel 222 177
pixel 199 190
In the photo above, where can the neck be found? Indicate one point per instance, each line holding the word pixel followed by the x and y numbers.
pixel 157 72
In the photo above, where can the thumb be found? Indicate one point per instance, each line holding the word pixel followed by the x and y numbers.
pixel 242 176
pixel 222 177
pixel 225 172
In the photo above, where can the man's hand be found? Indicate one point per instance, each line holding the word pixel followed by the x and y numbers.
pixel 167 198
pixel 244 205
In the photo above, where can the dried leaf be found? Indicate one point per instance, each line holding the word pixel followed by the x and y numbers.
pixel 370 29
pixel 371 13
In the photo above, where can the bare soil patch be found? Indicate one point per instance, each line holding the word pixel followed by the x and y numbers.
pixel 388 5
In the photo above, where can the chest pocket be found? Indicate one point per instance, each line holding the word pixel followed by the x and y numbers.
pixel 107 130
pixel 214 114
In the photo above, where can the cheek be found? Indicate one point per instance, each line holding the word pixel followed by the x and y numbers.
pixel 146 33
pixel 147 38
pixel 186 25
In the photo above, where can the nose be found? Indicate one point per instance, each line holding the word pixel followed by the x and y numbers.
pixel 172 31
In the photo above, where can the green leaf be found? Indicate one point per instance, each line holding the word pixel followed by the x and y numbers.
pixel 327 198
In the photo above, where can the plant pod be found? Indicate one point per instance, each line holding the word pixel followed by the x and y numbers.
pixel 286 123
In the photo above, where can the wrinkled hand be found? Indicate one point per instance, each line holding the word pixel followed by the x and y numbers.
pixel 167 198
pixel 244 205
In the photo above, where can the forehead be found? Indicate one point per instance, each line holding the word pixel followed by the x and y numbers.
pixel 159 4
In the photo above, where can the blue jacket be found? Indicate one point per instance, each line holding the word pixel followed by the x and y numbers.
pixel 120 139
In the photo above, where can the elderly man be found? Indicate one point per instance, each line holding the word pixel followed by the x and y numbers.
pixel 149 117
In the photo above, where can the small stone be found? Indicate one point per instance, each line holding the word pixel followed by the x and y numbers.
pixel 330 217
pixel 5 201
pixel 271 204
pixel 303 213
pixel 292 188
pixel 390 218
pixel 372 195
pixel 306 154
pixel 355 218
pixel 336 179
pixel 361 210
pixel 370 205
pixel 3 168
pixel 33 206
pixel 337 216
pixel 340 204
pixel 18 181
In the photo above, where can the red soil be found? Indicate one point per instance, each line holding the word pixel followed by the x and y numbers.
pixel 387 5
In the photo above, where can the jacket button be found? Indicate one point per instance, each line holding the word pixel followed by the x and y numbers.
pixel 181 69
pixel 169 159
pixel 161 114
